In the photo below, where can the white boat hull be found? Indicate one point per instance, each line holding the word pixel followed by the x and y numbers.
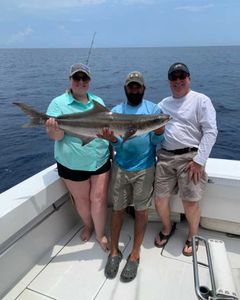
pixel 42 256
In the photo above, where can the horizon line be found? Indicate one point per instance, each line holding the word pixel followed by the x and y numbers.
pixel 199 46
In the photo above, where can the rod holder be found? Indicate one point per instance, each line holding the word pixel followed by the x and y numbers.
pixel 220 271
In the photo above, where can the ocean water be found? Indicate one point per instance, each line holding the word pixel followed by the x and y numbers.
pixel 36 76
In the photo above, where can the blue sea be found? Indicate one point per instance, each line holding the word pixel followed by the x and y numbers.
pixel 36 76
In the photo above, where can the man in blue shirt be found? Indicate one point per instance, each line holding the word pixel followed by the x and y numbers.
pixel 132 177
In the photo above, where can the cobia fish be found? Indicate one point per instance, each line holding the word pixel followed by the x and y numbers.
pixel 85 125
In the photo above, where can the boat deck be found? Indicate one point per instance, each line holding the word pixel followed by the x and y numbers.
pixel 74 270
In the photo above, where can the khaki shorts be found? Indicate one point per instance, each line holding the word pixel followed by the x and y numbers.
pixel 170 177
pixel 128 188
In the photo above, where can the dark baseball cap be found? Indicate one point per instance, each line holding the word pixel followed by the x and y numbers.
pixel 135 76
pixel 178 66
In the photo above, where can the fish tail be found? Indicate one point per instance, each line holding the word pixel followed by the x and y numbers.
pixel 37 118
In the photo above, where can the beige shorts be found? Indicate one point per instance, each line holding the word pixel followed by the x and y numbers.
pixel 171 177
pixel 128 188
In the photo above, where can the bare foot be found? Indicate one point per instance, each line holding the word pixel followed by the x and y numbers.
pixel 104 243
pixel 86 233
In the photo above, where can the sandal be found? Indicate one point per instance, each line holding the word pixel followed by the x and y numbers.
pixel 165 237
pixel 112 265
pixel 129 272
pixel 187 245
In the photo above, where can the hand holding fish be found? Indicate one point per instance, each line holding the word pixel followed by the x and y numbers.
pixel 194 171
pixel 107 135
pixel 53 129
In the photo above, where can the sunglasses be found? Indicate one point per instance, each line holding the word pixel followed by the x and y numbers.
pixel 181 76
pixel 78 77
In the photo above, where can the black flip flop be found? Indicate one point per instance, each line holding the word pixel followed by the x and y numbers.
pixel 165 237
pixel 189 244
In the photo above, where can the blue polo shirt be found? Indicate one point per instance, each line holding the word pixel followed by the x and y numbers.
pixel 69 151
pixel 137 153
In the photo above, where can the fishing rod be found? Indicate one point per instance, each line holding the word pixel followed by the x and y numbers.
pixel 90 49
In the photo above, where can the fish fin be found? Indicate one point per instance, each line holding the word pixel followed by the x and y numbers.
pixel 37 117
pixel 85 140
pixel 33 123
pixel 97 108
pixel 129 133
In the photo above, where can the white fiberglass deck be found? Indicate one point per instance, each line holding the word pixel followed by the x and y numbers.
pixel 74 270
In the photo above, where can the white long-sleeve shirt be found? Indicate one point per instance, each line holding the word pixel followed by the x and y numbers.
pixel 193 124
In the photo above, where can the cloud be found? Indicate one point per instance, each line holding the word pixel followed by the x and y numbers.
pixel 20 36
pixel 63 29
pixel 77 20
pixel 54 4
pixel 192 8
pixel 39 4
pixel 131 2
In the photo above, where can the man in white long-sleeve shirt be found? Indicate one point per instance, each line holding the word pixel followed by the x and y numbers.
pixel 188 141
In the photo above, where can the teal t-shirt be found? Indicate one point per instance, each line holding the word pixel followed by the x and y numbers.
pixel 69 151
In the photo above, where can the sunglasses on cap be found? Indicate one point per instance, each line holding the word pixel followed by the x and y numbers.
pixel 80 76
pixel 176 76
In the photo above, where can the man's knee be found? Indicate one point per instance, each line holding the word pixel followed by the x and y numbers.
pixel 191 205
pixel 161 200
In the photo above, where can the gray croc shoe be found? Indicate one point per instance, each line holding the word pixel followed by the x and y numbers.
pixel 112 265
pixel 129 272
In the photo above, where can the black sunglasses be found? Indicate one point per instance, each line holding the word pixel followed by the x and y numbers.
pixel 78 77
pixel 181 76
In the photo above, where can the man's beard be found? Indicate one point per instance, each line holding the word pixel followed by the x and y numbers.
pixel 134 99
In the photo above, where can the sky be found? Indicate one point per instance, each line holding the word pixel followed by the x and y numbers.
pixel 118 23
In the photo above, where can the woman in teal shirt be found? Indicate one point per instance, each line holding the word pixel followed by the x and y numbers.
pixel 83 168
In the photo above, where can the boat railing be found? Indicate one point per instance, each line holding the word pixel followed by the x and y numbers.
pixel 220 271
